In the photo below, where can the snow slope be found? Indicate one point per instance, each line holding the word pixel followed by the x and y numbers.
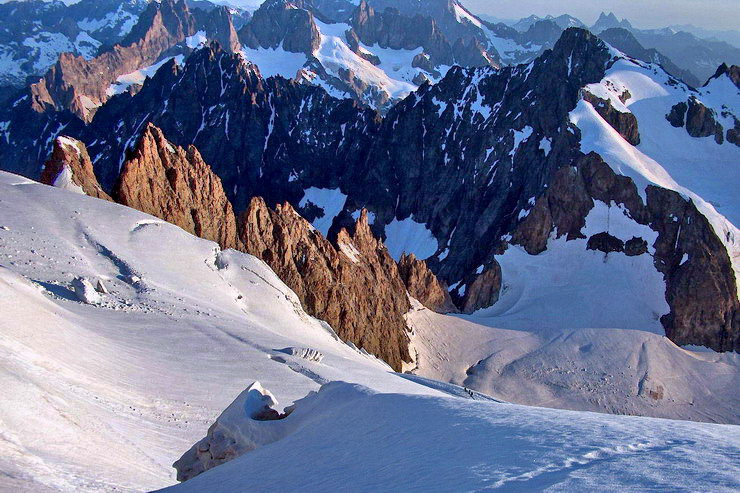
pixel 611 370
pixel 106 397
pixel 350 438
pixel 698 168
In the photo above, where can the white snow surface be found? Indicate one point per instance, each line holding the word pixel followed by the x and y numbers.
pixel 106 397
pixel 410 236
pixel 272 62
pixel 331 201
pixel 393 76
pixel 607 370
pixel 351 438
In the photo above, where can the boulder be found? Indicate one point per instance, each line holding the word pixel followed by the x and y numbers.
pixel 85 291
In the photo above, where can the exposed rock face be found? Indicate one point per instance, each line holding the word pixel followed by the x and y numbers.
pixel 635 246
pixel 510 171
pixel 177 186
pixel 484 290
pixel 354 286
pixel 623 122
pixel 701 121
pixel 71 155
pixel 732 72
pixel 219 24
pixel 423 285
pixel 677 116
pixel 391 29
pixel 604 242
pixel 34 34
pixel 733 134
pixel 700 283
pixel 80 85
pixel 282 23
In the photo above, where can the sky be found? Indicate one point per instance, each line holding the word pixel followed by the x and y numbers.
pixel 709 14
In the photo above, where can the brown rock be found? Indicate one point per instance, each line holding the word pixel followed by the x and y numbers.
pixel 72 154
pixel 701 121
pixel 80 85
pixel 484 291
pixel 354 286
pixel 701 288
pixel 423 285
pixel 177 186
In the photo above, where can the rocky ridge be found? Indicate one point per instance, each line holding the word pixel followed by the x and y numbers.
pixel 176 185
pixel 352 283
pixel 81 85
pixel 494 143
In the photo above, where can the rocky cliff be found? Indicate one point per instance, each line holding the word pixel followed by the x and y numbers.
pixel 282 23
pixel 354 284
pixel 80 85
pixel 491 166
pixel 423 285
pixel 176 185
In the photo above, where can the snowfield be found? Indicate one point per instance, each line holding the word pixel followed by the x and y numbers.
pixel 106 396
pixel 354 439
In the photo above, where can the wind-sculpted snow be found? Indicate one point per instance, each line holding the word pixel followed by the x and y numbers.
pixel 368 441
pixel 107 396
pixel 517 352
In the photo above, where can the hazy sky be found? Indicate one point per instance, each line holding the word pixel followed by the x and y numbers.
pixel 709 14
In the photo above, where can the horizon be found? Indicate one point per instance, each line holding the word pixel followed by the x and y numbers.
pixel 653 14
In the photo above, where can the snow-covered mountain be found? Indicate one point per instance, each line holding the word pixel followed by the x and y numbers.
pixel 563 21
pixel 468 200
pixel 375 51
pixel 333 191
pixel 35 33
pixel 108 394
pixel 688 51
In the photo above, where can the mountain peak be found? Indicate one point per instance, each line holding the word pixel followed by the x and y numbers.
pixel 732 72
pixel 606 21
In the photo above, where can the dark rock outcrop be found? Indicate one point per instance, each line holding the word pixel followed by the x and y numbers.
pixel 700 283
pixel 423 285
pixel 497 161
pixel 176 185
pixel 484 291
pixel 282 23
pixel 702 122
pixel 635 246
pixel 219 25
pixel 731 71
pixel 623 122
pixel 677 115
pixel 354 286
pixel 701 289
pixel 604 242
